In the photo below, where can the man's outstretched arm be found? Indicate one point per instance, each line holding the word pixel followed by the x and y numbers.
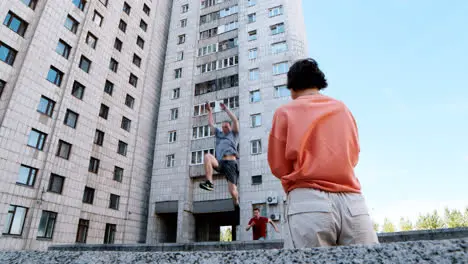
pixel 235 121
pixel 273 224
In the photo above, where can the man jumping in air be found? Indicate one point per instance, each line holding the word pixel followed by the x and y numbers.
pixel 225 161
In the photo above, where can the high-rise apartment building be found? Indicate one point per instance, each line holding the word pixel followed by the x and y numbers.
pixel 80 83
pixel 232 51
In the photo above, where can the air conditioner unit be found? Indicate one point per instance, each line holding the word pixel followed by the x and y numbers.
pixel 272 199
pixel 275 217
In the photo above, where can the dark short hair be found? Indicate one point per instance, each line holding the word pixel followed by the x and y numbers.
pixel 256 209
pixel 305 74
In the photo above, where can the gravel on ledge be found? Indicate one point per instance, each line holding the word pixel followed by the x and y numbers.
pixel 441 251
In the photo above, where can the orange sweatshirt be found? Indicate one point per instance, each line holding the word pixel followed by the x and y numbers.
pixel 314 143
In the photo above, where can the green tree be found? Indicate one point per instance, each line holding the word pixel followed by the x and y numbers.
pixel 376 226
pixel 454 218
pixel 388 226
pixel 430 221
pixel 405 224
pixel 465 217
pixel 226 235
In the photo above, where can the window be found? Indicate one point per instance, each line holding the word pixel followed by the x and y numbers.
pixel 7 53
pixel 85 64
pixel 217 84
pixel 56 183
pixel 252 35
pixel 255 96
pixel 55 76
pixel 208 33
pixel 91 40
pixel 118 174
pixel 114 201
pixel 78 90
pixel 37 139
pixel 136 60
pixel 64 149
pixel 15 220
pixel 82 232
pixel 275 11
pixel 133 80
pixel 46 106
pixel 201 132
pixel 175 93
pixel 46 225
pixel 199 156
pixel 277 29
pixel 108 87
pixel 183 23
pixel 126 123
pixel 88 195
pixel 253 53
pixel 2 86
pixel 146 9
pixel 185 8
pixel 174 113
pixel 232 102
pixel 227 27
pixel 71 118
pixel 80 4
pixel 104 2
pixel 280 68
pixel 140 42
pixel 129 101
pixel 97 18
pixel 143 25
pixel 256 120
pixel 15 23
pixel 253 74
pixel 170 160
pixel 181 39
pixel 199 110
pixel 71 24
pixel 27 175
pixel 104 111
pixel 229 11
pixel 30 3
pixel 172 136
pixel 257 179
pixel 279 47
pixel 122 148
pixel 94 165
pixel 126 8
pixel 252 17
pixel 99 137
pixel 178 73
pixel 212 48
pixel 63 49
pixel 122 26
pixel 109 235
pixel 251 2
pixel 180 55
pixel 118 44
pixel 255 147
pixel 113 65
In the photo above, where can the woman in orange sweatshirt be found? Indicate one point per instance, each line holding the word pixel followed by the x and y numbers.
pixel 313 148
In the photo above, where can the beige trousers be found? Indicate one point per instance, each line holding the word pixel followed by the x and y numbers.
pixel 319 219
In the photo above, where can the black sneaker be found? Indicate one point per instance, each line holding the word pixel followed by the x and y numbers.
pixel 207 186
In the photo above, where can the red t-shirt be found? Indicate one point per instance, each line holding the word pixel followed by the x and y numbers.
pixel 259 229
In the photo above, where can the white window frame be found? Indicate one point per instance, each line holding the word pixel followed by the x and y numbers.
pixel 251 97
pixel 279 47
pixel 253 36
pixel 252 18
pixel 183 23
pixel 180 56
pixel 277 91
pixel 172 136
pixel 254 73
pixel 209 49
pixel 275 11
pixel 178 73
pixel 253 53
pixel 185 8
pixel 175 93
pixel 229 11
pixel 200 156
pixel 170 161
pixel 280 68
pixel 174 114
pixel 251 2
pixel 254 118
pixel 257 143
pixel 275 29
pixel 201 131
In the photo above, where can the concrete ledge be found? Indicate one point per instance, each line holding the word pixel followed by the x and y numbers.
pixel 437 234
pixel 441 251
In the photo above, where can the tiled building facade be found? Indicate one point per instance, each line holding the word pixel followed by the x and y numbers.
pixel 232 51
pixel 79 94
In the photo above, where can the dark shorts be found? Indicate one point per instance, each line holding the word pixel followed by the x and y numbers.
pixel 230 169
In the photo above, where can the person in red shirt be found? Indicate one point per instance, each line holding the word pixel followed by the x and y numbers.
pixel 259 225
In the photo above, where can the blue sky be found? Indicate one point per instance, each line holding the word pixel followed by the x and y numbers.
pixel 401 67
